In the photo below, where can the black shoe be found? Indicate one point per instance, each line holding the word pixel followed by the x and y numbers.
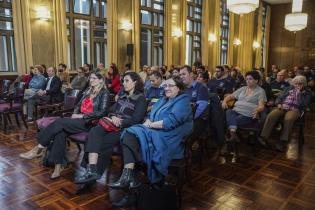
pixel 29 120
pixel 281 146
pixel 127 201
pixel 89 176
pixel 127 179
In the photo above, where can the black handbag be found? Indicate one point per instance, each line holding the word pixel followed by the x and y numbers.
pixel 157 198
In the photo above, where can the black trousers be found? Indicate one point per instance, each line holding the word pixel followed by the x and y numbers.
pixel 57 132
pixel 101 142
pixel 131 148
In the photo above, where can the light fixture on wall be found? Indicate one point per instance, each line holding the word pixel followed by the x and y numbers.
pixel 43 13
pixel 212 38
pixel 237 42
pixel 296 20
pixel 177 33
pixel 256 45
pixel 126 25
pixel 242 6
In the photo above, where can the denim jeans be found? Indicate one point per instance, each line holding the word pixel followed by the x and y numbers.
pixel 234 119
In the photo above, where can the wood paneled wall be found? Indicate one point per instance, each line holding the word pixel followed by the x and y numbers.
pixel 288 49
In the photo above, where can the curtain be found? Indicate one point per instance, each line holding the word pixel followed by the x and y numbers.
pixel 205 32
pixel 183 28
pixel 136 33
pixel 22 35
pixel 112 31
pixel 217 44
pixel 266 49
pixel 258 61
pixel 230 57
pixel 168 33
pixel 246 35
pixel 60 32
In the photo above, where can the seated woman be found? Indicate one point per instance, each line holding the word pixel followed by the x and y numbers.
pixel 158 140
pixel 290 104
pixel 250 102
pixel 129 109
pixel 112 79
pixel 37 82
pixel 93 105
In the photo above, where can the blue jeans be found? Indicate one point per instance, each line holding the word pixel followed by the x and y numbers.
pixel 234 119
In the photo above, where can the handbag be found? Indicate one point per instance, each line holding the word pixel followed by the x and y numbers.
pixel 108 125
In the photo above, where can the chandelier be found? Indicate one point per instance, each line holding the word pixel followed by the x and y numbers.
pixel 296 20
pixel 242 6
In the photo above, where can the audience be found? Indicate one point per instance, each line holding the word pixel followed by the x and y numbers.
pixel 113 79
pixel 129 109
pixel 291 103
pixel 159 139
pixel 155 92
pixel 93 105
pixel 37 82
pixel 50 94
pixel 250 102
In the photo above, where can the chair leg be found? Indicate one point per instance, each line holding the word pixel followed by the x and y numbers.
pixel 23 119
pixel 17 119
pixel 5 123
pixel 9 119
pixel 301 135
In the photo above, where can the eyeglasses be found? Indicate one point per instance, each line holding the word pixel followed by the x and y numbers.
pixel 168 86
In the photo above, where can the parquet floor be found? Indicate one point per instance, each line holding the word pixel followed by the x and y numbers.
pixel 261 179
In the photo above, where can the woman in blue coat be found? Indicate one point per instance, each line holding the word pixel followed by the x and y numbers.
pixel 159 139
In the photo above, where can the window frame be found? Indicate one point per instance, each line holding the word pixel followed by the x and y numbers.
pixel 11 54
pixel 154 29
pixel 72 16
pixel 195 50
pixel 224 32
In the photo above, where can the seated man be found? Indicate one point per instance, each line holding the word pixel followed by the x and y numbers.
pixel 279 84
pixel 220 84
pixel 199 95
pixel 155 92
pixel 290 104
pixel 51 93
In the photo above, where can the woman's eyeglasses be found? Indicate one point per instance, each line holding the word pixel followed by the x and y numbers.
pixel 168 86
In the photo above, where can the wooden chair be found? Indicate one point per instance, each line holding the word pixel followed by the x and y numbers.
pixel 16 102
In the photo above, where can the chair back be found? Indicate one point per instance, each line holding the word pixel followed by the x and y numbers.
pixel 70 99
pixel 5 86
pixel 18 92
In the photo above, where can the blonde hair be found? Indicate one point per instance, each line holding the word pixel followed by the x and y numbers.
pixel 299 79
pixel 93 92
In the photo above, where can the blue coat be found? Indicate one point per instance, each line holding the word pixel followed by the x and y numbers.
pixel 160 146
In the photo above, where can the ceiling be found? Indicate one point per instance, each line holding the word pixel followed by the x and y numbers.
pixel 278 1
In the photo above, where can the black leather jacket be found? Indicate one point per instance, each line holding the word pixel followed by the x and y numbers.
pixel 100 105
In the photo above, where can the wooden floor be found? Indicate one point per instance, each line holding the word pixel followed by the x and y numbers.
pixel 260 180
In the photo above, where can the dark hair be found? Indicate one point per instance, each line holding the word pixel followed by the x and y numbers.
pixel 220 67
pixel 136 78
pixel 98 74
pixel 205 75
pixel 63 65
pixel 253 74
pixel 197 64
pixel 156 74
pixel 115 69
pixel 203 68
pixel 44 66
pixel 82 69
pixel 128 65
pixel 189 69
pixel 179 83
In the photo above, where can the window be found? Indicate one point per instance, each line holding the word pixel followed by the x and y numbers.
pixel 193 31
pixel 7 49
pixel 263 37
pixel 87 32
pixel 224 31
pixel 152 30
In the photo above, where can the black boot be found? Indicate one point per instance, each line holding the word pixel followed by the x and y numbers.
pixel 127 179
pixel 127 201
pixel 89 176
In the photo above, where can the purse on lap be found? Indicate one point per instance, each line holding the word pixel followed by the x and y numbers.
pixel 108 125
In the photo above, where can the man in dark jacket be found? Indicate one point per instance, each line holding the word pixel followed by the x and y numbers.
pixel 52 93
